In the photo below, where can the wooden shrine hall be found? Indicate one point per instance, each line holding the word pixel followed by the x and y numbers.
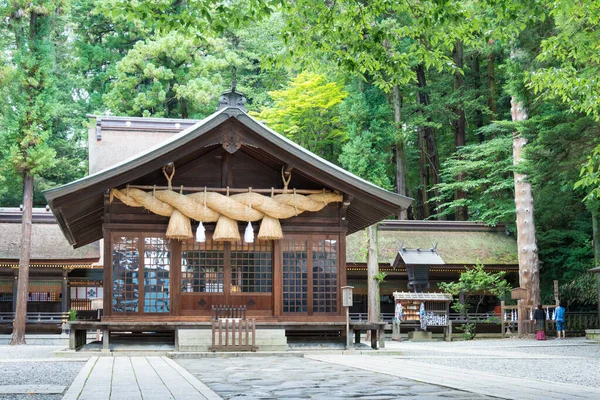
pixel 224 213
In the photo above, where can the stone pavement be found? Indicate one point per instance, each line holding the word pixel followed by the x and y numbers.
pixel 132 378
pixel 32 389
pixel 274 377
pixel 482 383
pixel 476 370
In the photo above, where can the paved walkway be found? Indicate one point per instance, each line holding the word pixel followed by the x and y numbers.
pixel 524 370
pixel 132 378
pixel 482 383
pixel 275 377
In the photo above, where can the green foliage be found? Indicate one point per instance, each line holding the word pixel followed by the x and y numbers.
pixel 580 294
pixel 468 330
pixel 487 172
pixel 31 88
pixel 41 125
pixel 476 283
pixel 306 113
pixel 193 18
pixel 380 276
pixel 590 176
pixel 380 39
pixel 172 76
pixel 367 119
pixel 72 314
pixel 571 58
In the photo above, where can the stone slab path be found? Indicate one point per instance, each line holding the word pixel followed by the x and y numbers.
pixel 273 377
pixel 482 383
pixel 32 389
pixel 133 378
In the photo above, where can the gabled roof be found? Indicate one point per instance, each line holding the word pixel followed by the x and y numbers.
pixel 458 243
pixel 79 205
pixel 418 257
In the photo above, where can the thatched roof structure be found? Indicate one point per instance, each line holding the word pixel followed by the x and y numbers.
pixel 458 243
pixel 48 245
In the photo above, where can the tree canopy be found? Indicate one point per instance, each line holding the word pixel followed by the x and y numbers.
pixel 413 96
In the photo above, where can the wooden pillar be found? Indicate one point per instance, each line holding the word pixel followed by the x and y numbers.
pixel 277 278
pixel 65 292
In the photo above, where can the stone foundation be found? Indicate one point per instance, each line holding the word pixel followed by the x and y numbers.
pixel 420 336
pixel 592 334
pixel 199 340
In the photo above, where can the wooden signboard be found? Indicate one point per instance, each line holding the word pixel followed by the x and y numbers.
pixel 347 296
pixel 518 294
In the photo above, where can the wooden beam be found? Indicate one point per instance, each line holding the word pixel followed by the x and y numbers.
pixel 224 189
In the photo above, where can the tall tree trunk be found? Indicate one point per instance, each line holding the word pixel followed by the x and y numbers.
pixel 428 154
pixel 18 335
pixel 491 79
pixel 461 213
pixel 400 154
pixel 422 194
pixel 477 81
pixel 529 273
pixel 372 270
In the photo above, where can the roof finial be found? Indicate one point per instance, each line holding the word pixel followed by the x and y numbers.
pixel 232 98
pixel 233 78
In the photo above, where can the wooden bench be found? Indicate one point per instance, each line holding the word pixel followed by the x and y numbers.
pixel 377 330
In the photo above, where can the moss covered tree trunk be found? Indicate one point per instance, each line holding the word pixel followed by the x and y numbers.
pixel 529 273
pixel 400 154
pixel 18 335
pixel 373 269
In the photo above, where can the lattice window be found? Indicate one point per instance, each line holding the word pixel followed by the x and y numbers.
pixel 157 266
pixel 324 254
pixel 202 266
pixel 252 267
pixel 295 275
pixel 125 274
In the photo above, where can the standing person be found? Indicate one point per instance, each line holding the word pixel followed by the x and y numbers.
pixel 559 315
pixel 540 321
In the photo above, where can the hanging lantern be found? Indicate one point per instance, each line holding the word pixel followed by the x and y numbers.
pixel 249 234
pixel 200 233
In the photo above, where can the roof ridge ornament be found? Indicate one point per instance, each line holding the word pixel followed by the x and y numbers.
pixel 232 98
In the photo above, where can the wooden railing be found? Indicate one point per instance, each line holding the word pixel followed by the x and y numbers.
pixel 233 335
pixel 218 312
pixel 231 331
pixel 36 317
pixel 454 317
pixel 575 322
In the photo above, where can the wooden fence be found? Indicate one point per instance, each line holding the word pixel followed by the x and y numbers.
pixel 575 322
pixel 36 317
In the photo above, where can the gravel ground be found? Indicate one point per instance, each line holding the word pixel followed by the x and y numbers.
pixel 573 360
pixel 21 365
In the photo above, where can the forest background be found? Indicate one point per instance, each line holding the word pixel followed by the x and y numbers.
pixel 413 96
